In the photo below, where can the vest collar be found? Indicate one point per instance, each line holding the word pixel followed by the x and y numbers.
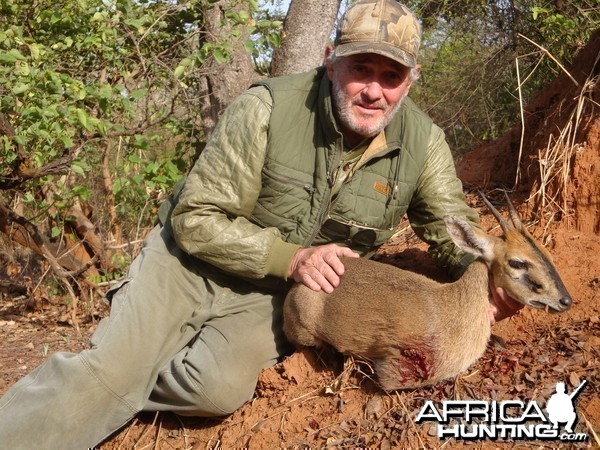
pixel 326 106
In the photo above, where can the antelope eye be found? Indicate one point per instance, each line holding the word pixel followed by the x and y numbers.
pixel 517 264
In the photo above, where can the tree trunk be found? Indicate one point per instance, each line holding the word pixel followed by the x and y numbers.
pixel 307 28
pixel 221 83
pixel 116 233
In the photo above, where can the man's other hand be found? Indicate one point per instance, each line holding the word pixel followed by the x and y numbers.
pixel 501 304
pixel 320 268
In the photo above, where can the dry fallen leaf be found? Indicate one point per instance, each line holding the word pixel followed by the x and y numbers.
pixel 574 379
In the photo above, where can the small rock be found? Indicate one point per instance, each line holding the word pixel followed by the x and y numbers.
pixel 374 407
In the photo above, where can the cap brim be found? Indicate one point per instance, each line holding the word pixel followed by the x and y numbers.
pixel 379 48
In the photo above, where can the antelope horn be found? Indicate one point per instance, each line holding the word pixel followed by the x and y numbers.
pixel 514 215
pixel 503 223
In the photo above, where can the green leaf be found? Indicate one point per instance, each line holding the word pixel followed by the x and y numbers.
pixel 137 179
pixel 181 67
pixel 77 169
pixel 275 39
pixel 105 91
pixel 119 184
pixel 28 197
pixel 141 142
pixel 219 56
pixel 263 23
pixel 34 51
pixel 66 140
pixel 78 92
pixel 178 72
pixel 20 139
pixel 84 119
pixel 249 46
pixel 244 16
pixel 99 17
pixel 137 94
pixel 55 232
pixel 22 69
pixel 12 56
pixel 152 168
pixel 102 128
pixel 19 88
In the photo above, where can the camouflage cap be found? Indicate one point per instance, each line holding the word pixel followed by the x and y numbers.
pixel 385 27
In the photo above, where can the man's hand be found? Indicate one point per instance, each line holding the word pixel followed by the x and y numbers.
pixel 501 304
pixel 319 268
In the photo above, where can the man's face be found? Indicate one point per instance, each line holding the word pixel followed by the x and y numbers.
pixel 367 91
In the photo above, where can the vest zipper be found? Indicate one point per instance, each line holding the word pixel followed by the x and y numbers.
pixel 322 215
pixel 326 206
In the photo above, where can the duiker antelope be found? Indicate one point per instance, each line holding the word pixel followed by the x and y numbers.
pixel 417 331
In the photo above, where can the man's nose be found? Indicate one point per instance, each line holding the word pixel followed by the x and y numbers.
pixel 373 90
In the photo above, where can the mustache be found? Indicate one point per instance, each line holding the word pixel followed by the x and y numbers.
pixel 380 104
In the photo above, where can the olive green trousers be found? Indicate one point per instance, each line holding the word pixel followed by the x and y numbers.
pixel 174 340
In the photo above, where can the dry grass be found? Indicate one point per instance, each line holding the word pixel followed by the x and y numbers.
pixel 555 160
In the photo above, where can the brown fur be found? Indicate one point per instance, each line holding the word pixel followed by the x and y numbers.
pixel 417 331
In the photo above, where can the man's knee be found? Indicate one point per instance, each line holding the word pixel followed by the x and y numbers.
pixel 220 396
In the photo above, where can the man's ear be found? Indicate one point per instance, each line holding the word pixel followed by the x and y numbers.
pixel 328 65
pixel 418 69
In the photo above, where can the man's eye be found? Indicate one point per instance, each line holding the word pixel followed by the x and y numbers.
pixel 393 79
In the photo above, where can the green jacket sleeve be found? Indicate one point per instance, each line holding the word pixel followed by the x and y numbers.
pixel 439 193
pixel 211 218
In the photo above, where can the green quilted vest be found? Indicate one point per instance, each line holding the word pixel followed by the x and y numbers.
pixel 304 150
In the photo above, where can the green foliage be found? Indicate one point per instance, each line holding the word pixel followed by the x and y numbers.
pixel 562 33
pixel 266 30
pixel 86 78
pixel 99 106
pixel 469 84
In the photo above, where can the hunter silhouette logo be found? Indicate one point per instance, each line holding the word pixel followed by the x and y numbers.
pixel 560 407
pixel 510 419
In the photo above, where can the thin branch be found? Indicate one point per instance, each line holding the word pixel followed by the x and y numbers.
pixel 552 58
pixel 21 174
pixel 521 109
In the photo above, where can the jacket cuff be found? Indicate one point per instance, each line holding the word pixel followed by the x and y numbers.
pixel 460 265
pixel 280 258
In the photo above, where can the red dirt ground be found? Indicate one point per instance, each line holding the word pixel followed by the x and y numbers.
pixel 310 401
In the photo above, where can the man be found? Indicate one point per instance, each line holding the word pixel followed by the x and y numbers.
pixel 300 171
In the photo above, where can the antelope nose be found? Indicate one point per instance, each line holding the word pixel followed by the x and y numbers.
pixel 566 302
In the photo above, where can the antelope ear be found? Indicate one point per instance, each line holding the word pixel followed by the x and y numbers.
pixel 469 239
